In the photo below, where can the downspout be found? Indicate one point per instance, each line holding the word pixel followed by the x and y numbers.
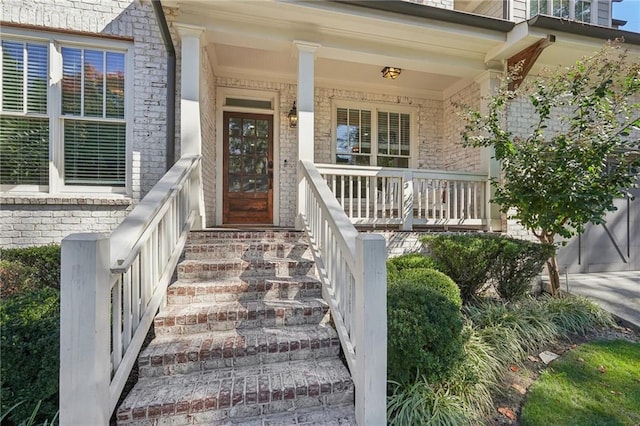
pixel 171 82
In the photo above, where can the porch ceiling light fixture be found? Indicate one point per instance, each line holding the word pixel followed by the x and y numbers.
pixel 391 72
pixel 293 116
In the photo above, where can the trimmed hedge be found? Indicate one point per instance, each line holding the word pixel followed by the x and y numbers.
pixel 424 328
pixel 475 261
pixel 29 268
pixel 29 349
pixel 433 279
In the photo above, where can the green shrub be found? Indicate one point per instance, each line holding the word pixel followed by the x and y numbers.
pixel 576 314
pixel 517 263
pixel 15 277
pixel 29 349
pixel 424 332
pixel 424 403
pixel 435 280
pixel 43 261
pixel 475 261
pixel 467 259
pixel 411 261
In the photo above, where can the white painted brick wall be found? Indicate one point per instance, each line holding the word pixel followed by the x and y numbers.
pixel 456 156
pixel 114 17
pixel 39 221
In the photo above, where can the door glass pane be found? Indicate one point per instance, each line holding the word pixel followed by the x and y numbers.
pixel 262 184
pixel 248 184
pixel 262 129
pixel 249 128
pixel 235 126
pixel 234 183
pixel 235 164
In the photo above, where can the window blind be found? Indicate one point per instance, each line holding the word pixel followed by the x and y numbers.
pixel 24 135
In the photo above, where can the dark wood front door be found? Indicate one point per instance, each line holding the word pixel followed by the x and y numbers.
pixel 248 168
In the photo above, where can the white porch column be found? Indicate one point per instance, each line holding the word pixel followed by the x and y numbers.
pixel 305 104
pixel 190 131
pixel 489 82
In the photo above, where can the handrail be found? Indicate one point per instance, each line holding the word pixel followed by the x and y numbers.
pixel 352 269
pixel 129 235
pixel 111 289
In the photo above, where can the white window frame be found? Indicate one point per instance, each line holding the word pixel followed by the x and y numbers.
pixel 572 10
pixel 375 108
pixel 55 42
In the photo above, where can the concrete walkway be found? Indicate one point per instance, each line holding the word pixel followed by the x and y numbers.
pixel 617 292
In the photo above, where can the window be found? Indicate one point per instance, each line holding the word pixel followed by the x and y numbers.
pixel 579 10
pixel 63 104
pixel 373 137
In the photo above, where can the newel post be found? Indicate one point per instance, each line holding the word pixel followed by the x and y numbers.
pixel 371 330
pixel 84 330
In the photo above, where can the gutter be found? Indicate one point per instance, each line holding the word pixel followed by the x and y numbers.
pixel 171 82
pixel 583 29
pixel 435 13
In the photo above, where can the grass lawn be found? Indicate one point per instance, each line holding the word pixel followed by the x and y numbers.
pixel 596 384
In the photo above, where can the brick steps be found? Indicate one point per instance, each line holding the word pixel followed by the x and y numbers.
pixel 197 270
pixel 224 250
pixel 330 416
pixel 236 288
pixel 241 347
pixel 245 339
pixel 201 317
pixel 222 394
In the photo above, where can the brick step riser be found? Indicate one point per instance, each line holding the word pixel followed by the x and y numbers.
pixel 185 363
pixel 234 251
pixel 214 322
pixel 245 296
pixel 244 237
pixel 233 408
pixel 208 271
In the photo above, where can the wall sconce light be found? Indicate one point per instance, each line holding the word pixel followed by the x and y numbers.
pixel 391 72
pixel 293 116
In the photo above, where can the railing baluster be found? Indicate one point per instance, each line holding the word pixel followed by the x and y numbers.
pixel 116 323
pixel 126 309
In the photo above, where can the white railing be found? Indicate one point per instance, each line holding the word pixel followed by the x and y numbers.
pixel 353 272
pixel 408 197
pixel 112 287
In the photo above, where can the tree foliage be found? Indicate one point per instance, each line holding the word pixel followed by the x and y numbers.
pixel 580 150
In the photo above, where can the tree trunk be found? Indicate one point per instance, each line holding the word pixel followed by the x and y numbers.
pixel 554 274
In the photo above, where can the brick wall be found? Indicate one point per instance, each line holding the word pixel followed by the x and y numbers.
pixel 43 219
pixel 456 157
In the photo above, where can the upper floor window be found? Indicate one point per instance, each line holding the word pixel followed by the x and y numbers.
pixel 376 136
pixel 579 10
pixel 63 116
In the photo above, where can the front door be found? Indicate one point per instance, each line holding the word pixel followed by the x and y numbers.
pixel 248 168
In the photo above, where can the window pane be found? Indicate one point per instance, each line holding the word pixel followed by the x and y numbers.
pixel 71 81
pixel 24 151
pixel 394 130
pixel 93 83
pixel 399 162
pixel 94 153
pixel 12 76
pixel 561 8
pixel 365 132
pixel 405 135
pixel 115 85
pixel 383 133
pixel 583 11
pixel 37 78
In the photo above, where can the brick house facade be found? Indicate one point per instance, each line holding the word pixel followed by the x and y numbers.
pixel 427 91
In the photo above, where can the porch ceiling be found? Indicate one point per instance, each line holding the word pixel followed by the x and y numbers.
pixel 254 40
